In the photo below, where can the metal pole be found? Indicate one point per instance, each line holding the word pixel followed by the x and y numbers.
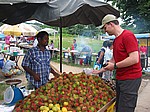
pixel 60 44
pixel 147 54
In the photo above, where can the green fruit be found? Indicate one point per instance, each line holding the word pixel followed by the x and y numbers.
pixel 55 109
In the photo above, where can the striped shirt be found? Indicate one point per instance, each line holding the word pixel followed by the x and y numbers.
pixel 39 62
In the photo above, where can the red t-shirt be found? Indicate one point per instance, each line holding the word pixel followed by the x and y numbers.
pixel 122 46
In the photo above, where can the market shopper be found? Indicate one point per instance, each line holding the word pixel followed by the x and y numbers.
pixel 10 67
pixel 107 56
pixel 126 61
pixel 87 52
pixel 101 53
pixel 36 62
pixel 51 47
pixel 73 47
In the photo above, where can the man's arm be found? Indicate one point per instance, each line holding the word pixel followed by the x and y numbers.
pixel 32 73
pixel 99 71
pixel 132 59
pixel 100 57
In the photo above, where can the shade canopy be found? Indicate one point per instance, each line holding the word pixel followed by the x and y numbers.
pixel 19 1
pixel 71 11
pixel 19 29
pixel 49 30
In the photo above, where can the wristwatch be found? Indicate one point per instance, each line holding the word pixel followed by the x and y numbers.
pixel 115 66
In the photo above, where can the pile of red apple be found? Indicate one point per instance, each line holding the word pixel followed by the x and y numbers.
pixel 84 93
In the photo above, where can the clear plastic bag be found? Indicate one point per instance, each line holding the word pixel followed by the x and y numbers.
pixel 88 71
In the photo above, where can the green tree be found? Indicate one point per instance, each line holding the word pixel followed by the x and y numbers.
pixel 135 13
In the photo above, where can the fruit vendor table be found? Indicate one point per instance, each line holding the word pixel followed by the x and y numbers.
pixel 109 107
pixel 69 53
pixel 55 52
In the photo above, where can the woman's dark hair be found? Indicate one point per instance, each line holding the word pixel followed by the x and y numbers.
pixel 105 43
pixel 12 58
pixel 41 34
pixel 110 44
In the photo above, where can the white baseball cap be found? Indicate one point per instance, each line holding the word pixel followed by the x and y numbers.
pixel 108 18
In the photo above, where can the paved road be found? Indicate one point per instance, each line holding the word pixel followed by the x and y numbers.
pixel 143 104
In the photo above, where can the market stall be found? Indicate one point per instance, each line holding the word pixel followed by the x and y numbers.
pixel 70 92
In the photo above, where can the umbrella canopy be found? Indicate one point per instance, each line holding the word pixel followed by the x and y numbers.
pixel 19 29
pixel 71 11
pixel 62 13
pixel 2 35
pixel 49 30
pixel 80 12
pixel 18 1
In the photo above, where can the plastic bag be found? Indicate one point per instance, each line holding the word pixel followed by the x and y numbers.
pixel 87 71
pixel 97 66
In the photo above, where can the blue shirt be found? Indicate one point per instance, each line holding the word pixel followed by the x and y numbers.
pixel 39 62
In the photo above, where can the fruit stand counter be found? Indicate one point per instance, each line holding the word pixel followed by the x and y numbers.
pixel 70 93
pixel 109 107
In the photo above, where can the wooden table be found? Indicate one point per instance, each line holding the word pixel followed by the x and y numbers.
pixel 55 52
pixel 68 52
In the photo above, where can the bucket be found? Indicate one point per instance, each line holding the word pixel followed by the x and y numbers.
pixel 12 95
pixel 1 63
pixel 15 53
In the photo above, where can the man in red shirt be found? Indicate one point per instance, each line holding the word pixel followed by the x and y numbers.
pixel 126 62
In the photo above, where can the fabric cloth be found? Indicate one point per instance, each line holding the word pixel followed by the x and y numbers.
pixel 123 45
pixel 103 49
pixel 87 50
pixel 12 41
pixel 8 65
pixel 35 43
pixel 88 53
pixel 51 46
pixel 7 39
pixel 39 62
pixel 127 93
pixel 143 49
pixel 108 55
pixel 75 45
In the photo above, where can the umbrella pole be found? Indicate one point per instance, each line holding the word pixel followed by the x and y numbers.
pixel 60 44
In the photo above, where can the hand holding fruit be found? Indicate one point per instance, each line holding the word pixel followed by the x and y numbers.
pixel 99 71
pixel 110 66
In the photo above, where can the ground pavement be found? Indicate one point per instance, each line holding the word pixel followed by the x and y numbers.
pixel 143 104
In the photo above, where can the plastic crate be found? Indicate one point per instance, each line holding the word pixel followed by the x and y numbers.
pixel 111 108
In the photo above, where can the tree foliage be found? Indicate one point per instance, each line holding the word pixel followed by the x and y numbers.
pixel 135 13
